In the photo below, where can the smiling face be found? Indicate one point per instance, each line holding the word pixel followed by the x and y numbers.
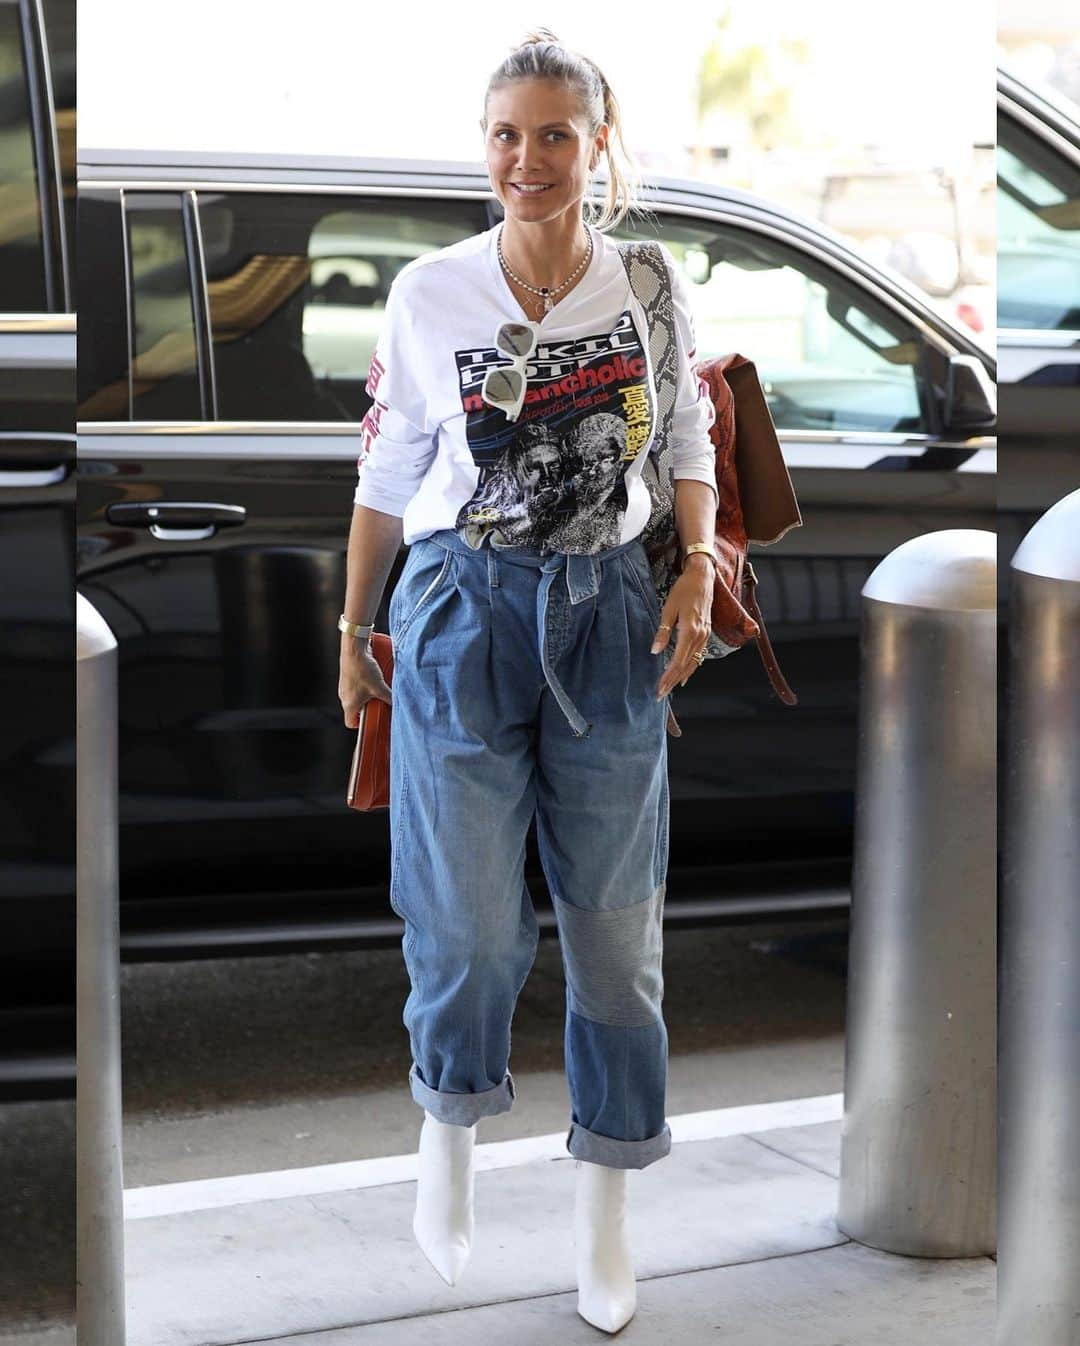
pixel 536 133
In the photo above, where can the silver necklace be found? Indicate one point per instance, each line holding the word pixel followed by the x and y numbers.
pixel 546 292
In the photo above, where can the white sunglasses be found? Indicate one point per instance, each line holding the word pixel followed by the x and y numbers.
pixel 504 387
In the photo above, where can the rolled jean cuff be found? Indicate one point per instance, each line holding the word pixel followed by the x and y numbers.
pixel 597 1149
pixel 462 1109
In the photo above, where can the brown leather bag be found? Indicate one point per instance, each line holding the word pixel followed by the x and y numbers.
pixel 756 503
pixel 369 776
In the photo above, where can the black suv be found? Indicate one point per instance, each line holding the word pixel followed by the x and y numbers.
pixel 1038 159
pixel 37 498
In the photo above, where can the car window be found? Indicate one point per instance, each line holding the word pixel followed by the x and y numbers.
pixel 1038 233
pixel 60 42
pixel 22 257
pixel 830 357
pixel 103 328
pixel 164 372
pixel 297 286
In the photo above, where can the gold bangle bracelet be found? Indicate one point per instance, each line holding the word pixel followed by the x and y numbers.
pixel 363 629
pixel 705 547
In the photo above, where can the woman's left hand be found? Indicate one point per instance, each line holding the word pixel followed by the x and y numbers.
pixel 689 610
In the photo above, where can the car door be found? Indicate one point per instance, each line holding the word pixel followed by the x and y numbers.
pixel 855 384
pixel 37 499
pixel 1038 306
pixel 218 446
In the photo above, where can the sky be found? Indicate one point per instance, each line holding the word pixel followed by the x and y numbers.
pixel 1051 16
pixel 409 79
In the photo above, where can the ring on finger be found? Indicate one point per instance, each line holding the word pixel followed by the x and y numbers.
pixel 699 657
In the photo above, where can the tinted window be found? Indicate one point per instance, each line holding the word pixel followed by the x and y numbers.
pixel 60 42
pixel 103 327
pixel 1038 233
pixel 297 287
pixel 22 261
pixel 829 356
pixel 164 374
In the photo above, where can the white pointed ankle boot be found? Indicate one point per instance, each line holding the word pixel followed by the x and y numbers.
pixel 443 1222
pixel 607 1290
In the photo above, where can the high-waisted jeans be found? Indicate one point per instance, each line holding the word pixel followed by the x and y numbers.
pixel 524 684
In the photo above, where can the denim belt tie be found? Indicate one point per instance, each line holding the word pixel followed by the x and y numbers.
pixel 582 581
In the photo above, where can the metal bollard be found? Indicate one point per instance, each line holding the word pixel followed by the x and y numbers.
pixel 1039 989
pixel 917 1160
pixel 99 1181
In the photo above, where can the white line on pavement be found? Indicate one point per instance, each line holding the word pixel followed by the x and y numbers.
pixel 174 1198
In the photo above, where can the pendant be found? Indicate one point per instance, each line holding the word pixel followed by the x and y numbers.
pixel 548 306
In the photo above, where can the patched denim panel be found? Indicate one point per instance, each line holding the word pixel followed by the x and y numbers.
pixel 613 960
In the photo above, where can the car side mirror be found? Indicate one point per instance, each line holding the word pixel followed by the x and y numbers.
pixel 970 395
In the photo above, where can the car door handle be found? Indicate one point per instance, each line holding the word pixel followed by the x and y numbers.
pixel 33 459
pixel 176 520
pixel 33 476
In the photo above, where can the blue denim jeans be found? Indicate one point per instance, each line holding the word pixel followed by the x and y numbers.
pixel 524 684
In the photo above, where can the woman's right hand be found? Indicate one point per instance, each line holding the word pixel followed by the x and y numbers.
pixel 359 680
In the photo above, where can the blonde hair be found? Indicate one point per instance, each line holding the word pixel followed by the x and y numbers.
pixel 542 56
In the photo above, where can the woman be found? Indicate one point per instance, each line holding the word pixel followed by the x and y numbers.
pixel 513 410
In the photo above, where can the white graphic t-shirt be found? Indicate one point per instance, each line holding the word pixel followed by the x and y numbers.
pixel 566 475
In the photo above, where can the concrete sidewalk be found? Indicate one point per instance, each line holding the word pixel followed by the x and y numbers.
pixel 734 1236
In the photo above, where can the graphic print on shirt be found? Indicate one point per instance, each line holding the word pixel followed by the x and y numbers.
pixel 555 479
